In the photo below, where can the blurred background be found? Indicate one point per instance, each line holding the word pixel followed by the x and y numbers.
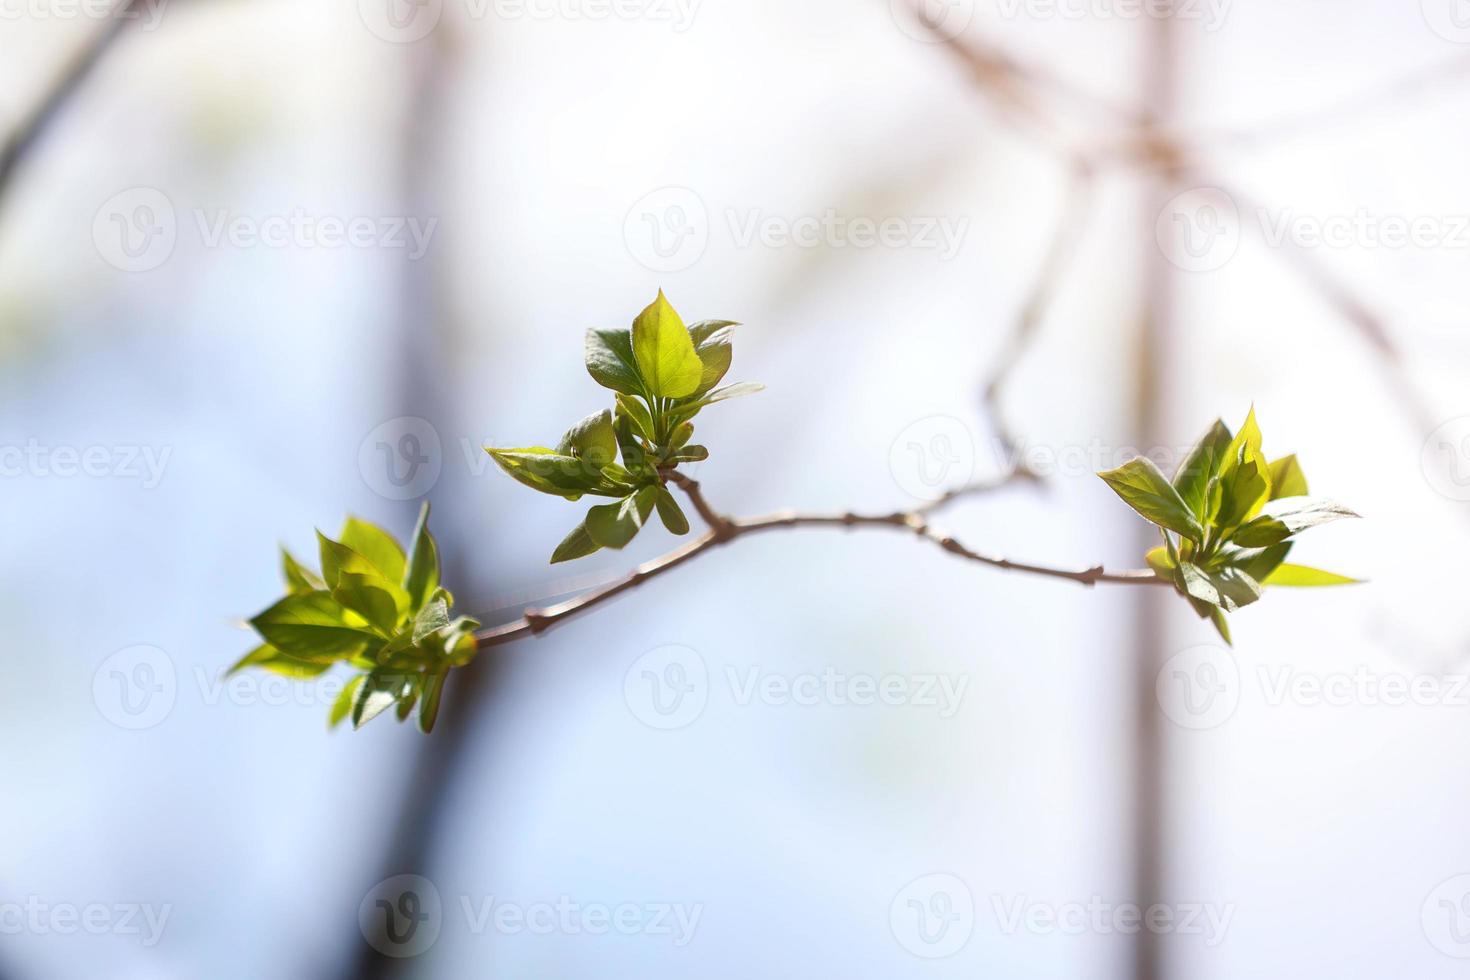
pixel 266 264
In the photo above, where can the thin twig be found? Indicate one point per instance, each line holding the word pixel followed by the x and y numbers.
pixel 725 529
pixel 1069 227
pixel 30 129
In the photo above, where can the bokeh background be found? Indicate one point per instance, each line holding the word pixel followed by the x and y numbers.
pixel 195 366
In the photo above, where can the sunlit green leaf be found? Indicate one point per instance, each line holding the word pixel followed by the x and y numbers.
pixel 614 525
pixel 1203 463
pixel 363 594
pixel 314 626
pixel 1145 489
pixel 299 578
pixel 670 513
pixel 433 691
pixel 665 353
pixel 592 439
pixel 1287 478
pixel 342 707
pixel 578 544
pixel 610 361
pixel 549 471
pixel 1301 576
pixel 1282 518
pixel 421 577
pixel 376 545
pixel 712 343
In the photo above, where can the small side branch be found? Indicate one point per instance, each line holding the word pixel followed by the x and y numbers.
pixel 724 529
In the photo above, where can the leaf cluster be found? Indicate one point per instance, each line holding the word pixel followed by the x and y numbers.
pixel 1228 520
pixel 662 374
pixel 376 608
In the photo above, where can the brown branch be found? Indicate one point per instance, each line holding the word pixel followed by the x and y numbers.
pixel 30 129
pixel 725 529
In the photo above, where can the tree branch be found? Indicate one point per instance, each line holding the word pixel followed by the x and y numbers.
pixel 724 529
pixel 30 130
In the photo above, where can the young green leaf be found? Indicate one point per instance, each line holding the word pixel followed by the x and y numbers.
pixel 667 362
pixel 1287 478
pixel 610 361
pixel 1145 489
pixel 638 417
pixel 421 576
pixel 1300 576
pixel 314 626
pixel 429 703
pixel 592 439
pixel 378 692
pixel 549 471
pixel 270 659
pixel 670 513
pixel 299 578
pixel 713 344
pixel 362 594
pixel 1203 464
pixel 376 545
pixel 614 525
pixel 433 617
pixel 1284 517
pixel 578 544
pixel 342 707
